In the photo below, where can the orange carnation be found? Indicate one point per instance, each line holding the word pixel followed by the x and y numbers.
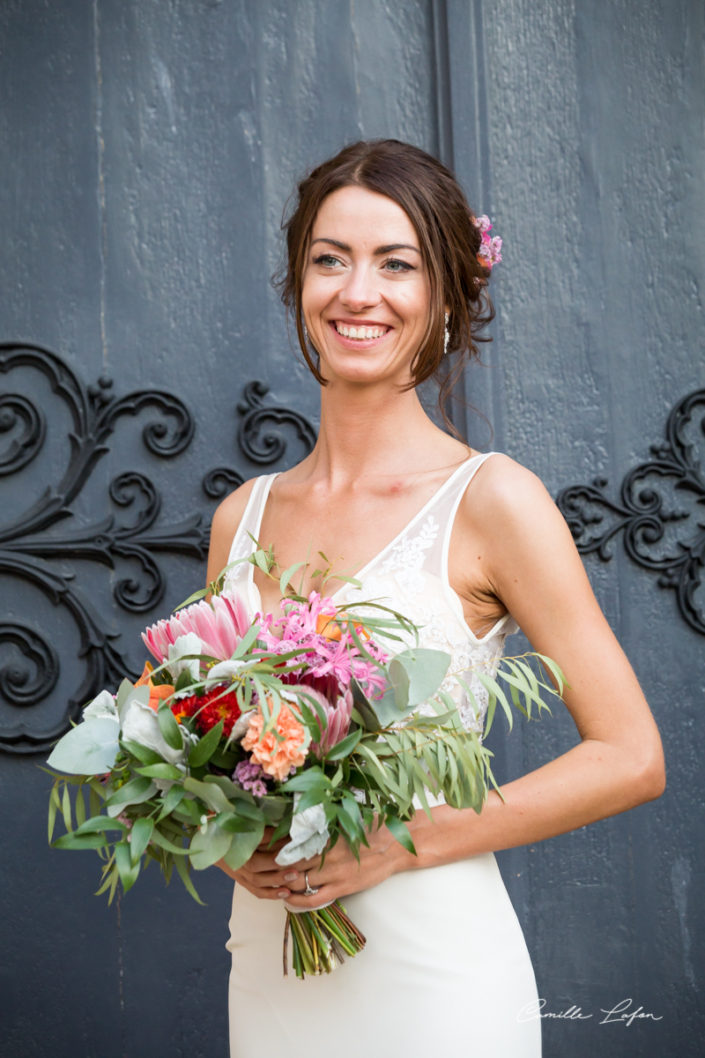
pixel 282 747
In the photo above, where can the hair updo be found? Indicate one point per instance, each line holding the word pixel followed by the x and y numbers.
pixel 449 239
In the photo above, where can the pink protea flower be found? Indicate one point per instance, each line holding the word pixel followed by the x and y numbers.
pixel 220 625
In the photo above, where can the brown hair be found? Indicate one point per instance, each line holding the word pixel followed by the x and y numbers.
pixel 448 236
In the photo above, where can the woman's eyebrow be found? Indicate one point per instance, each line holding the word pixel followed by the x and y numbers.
pixel 380 249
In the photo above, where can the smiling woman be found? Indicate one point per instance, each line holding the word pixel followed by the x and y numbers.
pixel 386 272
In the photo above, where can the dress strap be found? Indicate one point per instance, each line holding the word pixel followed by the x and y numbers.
pixel 240 576
pixel 452 497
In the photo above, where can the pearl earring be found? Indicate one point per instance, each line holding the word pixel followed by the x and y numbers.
pixel 446 335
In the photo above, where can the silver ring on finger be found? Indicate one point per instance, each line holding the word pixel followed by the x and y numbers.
pixel 310 890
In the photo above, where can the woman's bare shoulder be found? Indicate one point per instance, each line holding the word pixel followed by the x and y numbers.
pixel 226 519
pixel 233 506
pixel 506 487
pixel 511 512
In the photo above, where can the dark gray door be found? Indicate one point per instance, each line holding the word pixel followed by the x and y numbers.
pixel 145 368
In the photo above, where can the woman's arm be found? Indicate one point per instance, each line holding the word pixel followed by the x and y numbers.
pixel 226 519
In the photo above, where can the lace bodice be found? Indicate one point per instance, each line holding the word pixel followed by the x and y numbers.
pixel 410 575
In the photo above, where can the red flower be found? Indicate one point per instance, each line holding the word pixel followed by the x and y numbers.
pixel 209 709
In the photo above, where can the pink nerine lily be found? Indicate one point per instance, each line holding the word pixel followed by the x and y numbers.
pixel 220 625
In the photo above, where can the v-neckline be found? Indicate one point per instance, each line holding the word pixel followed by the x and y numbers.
pixel 387 547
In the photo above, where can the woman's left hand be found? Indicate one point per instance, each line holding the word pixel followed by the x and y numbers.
pixel 341 873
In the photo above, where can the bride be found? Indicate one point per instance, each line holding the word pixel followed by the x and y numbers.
pixel 387 289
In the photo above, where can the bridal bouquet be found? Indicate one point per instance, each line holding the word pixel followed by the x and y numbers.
pixel 311 725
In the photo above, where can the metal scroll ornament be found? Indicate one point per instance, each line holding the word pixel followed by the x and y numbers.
pixel 660 511
pixel 38 543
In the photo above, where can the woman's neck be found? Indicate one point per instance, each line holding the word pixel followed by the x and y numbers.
pixel 368 432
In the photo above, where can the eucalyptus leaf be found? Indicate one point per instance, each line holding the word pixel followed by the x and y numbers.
pixel 209 845
pixel 210 793
pixel 127 692
pixel 425 669
pixel 242 847
pixel 90 748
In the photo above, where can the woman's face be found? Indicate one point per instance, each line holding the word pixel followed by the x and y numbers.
pixel 366 294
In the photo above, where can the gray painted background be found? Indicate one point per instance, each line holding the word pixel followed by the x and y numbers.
pixel 147 149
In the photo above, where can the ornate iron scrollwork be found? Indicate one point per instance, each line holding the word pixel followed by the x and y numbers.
pixel 259 440
pixel 29 665
pixel 661 511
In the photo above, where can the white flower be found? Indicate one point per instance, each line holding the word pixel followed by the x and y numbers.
pixel 140 724
pixel 308 833
pixel 239 729
pixel 102 705
pixel 186 644
pixel 225 670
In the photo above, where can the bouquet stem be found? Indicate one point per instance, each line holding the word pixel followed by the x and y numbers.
pixel 320 940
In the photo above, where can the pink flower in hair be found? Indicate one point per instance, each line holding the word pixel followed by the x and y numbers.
pixel 490 252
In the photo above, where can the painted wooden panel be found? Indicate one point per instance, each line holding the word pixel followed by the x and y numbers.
pixel 149 148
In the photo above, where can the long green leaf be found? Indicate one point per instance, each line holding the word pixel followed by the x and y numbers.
pixel 80 841
pixel 127 870
pixel 140 836
pixel 66 808
pixel 134 792
pixel 100 825
pixel 400 831
pixel 206 747
pixel 345 747
pixel 160 839
pixel 182 870
pixel 287 575
pixel 169 727
pixel 162 770
pixel 141 753
pixel 54 807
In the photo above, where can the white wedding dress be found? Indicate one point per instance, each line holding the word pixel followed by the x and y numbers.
pixel 445 961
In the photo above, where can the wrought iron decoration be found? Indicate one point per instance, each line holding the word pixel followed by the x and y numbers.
pixel 28 553
pixel 661 510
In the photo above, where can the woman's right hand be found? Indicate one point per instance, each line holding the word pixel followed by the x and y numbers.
pixel 263 877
